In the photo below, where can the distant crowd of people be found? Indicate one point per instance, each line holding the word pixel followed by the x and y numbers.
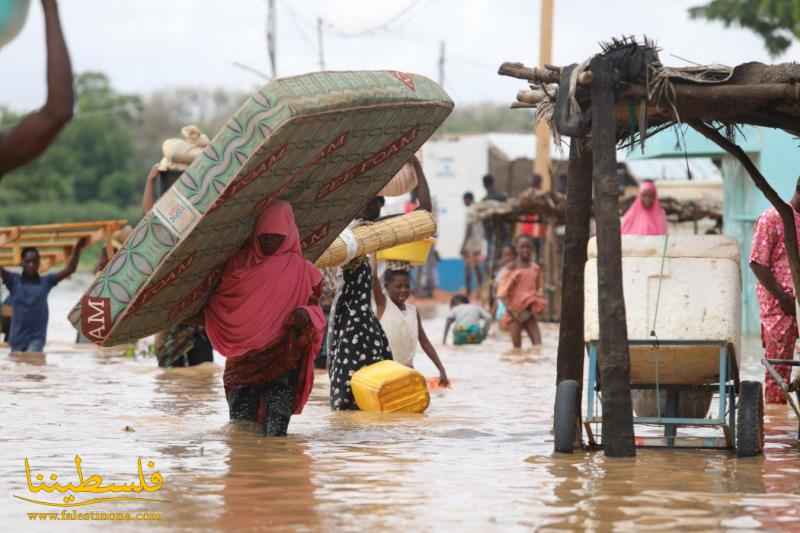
pixel 504 259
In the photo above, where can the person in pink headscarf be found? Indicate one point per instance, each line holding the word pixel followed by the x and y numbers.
pixel 265 318
pixel 645 216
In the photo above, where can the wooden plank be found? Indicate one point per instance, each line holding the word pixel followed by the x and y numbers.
pixel 55 242
pixel 614 359
pixel 95 235
pixel 674 365
pixel 67 226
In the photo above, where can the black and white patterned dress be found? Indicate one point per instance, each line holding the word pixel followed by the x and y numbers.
pixel 357 338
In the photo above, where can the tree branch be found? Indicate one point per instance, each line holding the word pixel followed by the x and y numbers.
pixel 785 210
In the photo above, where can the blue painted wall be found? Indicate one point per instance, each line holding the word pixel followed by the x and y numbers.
pixel 451 275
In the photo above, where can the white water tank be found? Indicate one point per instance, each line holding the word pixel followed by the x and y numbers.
pixel 700 300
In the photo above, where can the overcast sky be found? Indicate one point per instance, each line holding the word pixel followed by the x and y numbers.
pixel 145 45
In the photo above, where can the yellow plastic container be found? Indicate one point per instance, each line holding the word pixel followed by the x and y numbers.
pixel 415 252
pixel 389 387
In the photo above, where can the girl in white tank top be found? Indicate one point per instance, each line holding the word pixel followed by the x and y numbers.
pixel 401 322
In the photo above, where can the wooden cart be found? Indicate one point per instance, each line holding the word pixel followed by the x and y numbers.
pixel 685 346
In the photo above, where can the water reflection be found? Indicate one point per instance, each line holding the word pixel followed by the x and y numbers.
pixel 480 459
pixel 268 484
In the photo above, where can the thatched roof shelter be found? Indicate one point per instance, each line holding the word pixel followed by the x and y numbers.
pixel 619 97
pixel 750 93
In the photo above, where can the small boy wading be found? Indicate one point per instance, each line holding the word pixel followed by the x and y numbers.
pixel 467 318
pixel 28 298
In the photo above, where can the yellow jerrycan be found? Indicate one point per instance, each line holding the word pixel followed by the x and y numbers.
pixel 389 387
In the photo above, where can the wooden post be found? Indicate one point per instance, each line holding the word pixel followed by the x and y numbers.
pixel 542 161
pixel 614 357
pixel 576 236
pixel 108 231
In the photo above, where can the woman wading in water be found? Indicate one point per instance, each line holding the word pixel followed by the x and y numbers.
pixel 265 318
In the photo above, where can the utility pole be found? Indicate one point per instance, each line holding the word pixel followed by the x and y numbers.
pixel 320 44
pixel 542 163
pixel 441 63
pixel 271 37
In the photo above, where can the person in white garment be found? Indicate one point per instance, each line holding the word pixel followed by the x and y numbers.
pixel 401 321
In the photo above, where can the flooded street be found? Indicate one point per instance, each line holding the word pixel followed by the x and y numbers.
pixel 480 458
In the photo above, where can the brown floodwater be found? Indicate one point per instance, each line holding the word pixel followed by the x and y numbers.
pixel 480 458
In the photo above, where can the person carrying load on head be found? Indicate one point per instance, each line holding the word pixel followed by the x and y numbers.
pixel 28 294
pixel 36 131
pixel 265 318
pixel 178 155
pixel 356 337
pixel 400 320
pixel 472 247
pixel 776 293
pixel 184 344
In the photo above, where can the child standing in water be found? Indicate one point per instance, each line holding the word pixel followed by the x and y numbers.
pixel 522 293
pixel 507 258
pixel 401 321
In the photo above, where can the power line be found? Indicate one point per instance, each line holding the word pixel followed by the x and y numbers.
pixel 442 62
pixel 296 20
pixel 320 44
pixel 375 29
pixel 251 70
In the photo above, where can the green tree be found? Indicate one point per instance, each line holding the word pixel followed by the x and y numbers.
pixel 97 145
pixel 776 21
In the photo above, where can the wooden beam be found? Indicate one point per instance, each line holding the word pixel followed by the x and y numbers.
pixel 67 226
pixel 614 356
pixel 535 74
pixel 546 74
pixel 726 92
pixel 578 212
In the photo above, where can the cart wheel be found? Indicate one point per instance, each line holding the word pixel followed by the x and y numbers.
pixel 750 423
pixel 566 416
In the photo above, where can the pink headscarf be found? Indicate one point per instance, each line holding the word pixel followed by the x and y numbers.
pixel 640 220
pixel 249 309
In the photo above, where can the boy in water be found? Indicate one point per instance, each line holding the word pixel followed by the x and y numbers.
pixel 401 321
pixel 28 298
pixel 467 319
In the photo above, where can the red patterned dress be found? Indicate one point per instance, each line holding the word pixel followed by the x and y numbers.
pixel 778 330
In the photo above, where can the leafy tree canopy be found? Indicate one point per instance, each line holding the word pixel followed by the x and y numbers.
pixel 776 21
